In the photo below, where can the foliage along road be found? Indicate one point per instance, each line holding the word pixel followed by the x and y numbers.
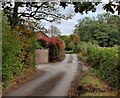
pixel 56 80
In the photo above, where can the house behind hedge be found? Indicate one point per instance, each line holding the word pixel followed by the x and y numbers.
pixel 55 46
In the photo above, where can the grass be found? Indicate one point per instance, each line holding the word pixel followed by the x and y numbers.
pixel 93 86
pixel 93 81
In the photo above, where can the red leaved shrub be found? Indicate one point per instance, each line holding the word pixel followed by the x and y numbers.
pixel 56 48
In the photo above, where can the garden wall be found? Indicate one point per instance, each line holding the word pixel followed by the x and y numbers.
pixel 41 56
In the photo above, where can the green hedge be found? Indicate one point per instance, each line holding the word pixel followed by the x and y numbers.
pixel 11 53
pixel 105 62
pixel 16 48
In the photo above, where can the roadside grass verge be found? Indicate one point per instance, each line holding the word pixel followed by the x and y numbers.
pixel 91 85
pixel 104 61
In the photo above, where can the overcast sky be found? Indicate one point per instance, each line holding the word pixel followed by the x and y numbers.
pixel 67 26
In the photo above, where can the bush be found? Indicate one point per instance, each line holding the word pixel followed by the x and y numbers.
pixel 17 47
pixel 56 48
pixel 104 61
pixel 11 52
pixel 42 43
pixel 108 66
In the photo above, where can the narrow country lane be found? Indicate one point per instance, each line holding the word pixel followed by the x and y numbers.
pixel 56 80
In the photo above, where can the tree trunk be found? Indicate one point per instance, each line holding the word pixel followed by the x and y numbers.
pixel 14 20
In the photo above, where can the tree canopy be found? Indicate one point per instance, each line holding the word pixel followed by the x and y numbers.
pixel 104 29
pixel 18 12
pixel 91 6
pixel 49 10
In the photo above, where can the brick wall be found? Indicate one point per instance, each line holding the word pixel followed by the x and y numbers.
pixel 41 56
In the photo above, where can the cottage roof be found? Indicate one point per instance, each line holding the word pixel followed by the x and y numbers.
pixel 42 33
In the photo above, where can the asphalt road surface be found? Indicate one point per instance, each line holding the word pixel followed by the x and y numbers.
pixel 56 80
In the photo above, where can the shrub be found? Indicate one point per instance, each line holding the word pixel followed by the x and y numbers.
pixel 108 66
pixel 52 52
pixel 42 43
pixel 105 62
pixel 18 47
pixel 56 48
pixel 11 53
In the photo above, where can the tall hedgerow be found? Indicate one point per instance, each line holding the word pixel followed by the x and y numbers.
pixel 18 46
pixel 104 61
pixel 11 52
